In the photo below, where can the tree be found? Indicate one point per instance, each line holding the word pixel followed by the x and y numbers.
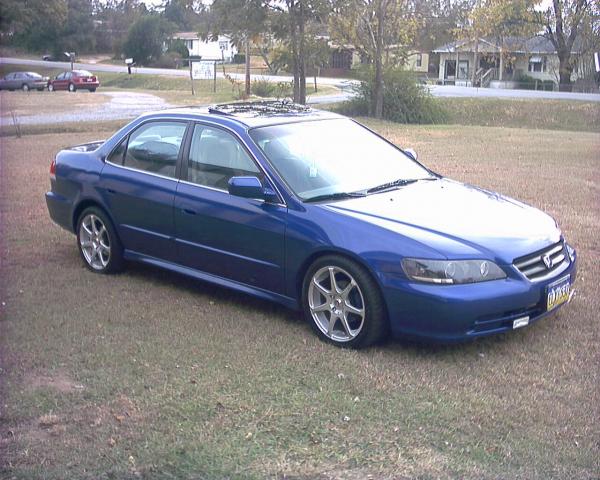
pixel 379 30
pixel 183 13
pixel 35 24
pixel 500 19
pixel 241 20
pixel 563 22
pixel 113 19
pixel 146 38
pixel 78 31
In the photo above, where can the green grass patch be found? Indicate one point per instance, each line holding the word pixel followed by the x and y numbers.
pixel 536 114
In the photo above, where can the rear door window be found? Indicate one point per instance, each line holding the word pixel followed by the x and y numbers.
pixel 154 147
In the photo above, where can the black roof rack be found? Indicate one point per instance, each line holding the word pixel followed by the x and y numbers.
pixel 260 108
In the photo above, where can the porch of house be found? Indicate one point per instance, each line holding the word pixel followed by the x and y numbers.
pixel 488 67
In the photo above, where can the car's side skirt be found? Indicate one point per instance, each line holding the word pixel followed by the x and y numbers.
pixel 208 277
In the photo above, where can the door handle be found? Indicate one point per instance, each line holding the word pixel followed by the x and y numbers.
pixel 188 211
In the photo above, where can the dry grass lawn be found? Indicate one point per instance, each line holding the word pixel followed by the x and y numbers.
pixel 149 374
pixel 34 102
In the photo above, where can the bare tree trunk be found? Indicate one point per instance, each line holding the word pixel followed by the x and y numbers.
pixel 565 70
pixel 295 63
pixel 247 65
pixel 377 107
pixel 301 55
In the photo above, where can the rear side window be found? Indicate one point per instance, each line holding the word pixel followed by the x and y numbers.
pixel 154 147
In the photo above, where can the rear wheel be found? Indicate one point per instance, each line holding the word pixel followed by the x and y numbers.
pixel 25 87
pixel 98 243
pixel 50 87
pixel 92 89
pixel 343 303
pixel 72 88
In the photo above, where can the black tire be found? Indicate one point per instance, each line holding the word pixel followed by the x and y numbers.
pixel 25 87
pixel 92 90
pixel 51 88
pixel 114 261
pixel 374 320
pixel 72 88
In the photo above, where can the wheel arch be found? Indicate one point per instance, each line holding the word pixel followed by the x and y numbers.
pixel 87 203
pixel 313 257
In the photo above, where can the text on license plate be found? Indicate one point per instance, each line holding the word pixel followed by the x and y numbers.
pixel 558 292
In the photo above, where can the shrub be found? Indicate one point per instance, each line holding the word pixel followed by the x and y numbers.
pixel 263 88
pixel 526 82
pixel 168 60
pixel 404 100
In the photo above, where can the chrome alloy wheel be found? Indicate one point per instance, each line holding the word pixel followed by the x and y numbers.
pixel 95 242
pixel 336 304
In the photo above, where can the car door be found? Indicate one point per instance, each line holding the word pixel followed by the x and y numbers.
pixel 59 82
pixel 17 81
pixel 5 83
pixel 138 184
pixel 236 238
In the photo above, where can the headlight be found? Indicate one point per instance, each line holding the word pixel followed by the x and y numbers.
pixel 451 272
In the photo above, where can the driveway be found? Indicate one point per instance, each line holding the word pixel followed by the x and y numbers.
pixel 122 105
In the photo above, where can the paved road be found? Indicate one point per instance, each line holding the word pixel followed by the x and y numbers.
pixel 100 67
pixel 469 92
pixel 343 83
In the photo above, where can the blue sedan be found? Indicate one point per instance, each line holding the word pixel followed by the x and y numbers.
pixel 315 211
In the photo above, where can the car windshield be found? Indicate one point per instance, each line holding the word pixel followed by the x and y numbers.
pixel 33 75
pixel 82 73
pixel 334 158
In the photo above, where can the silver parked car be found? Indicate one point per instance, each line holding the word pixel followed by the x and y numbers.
pixel 23 81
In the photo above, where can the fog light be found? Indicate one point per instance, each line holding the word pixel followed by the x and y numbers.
pixel 571 252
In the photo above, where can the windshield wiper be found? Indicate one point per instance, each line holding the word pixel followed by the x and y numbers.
pixel 395 184
pixel 335 196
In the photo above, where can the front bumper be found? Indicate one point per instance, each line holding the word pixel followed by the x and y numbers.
pixel 451 313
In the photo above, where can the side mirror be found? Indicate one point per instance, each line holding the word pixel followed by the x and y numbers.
pixel 411 153
pixel 251 187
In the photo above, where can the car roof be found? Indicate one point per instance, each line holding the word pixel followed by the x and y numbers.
pixel 250 114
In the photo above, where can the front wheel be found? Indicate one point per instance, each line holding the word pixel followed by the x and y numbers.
pixel 72 88
pixel 343 303
pixel 50 87
pixel 98 243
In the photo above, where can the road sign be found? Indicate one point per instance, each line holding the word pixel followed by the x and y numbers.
pixel 203 70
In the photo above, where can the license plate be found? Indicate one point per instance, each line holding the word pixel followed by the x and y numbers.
pixel 558 293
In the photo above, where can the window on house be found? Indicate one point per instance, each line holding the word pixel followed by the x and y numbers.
pixel 419 61
pixel 537 64
pixel 463 69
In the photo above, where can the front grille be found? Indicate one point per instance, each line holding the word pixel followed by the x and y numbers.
pixel 543 263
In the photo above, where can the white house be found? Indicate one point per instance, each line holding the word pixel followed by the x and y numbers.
pixel 222 48
pixel 498 63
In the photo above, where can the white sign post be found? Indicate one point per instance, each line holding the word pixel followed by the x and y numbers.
pixel 203 70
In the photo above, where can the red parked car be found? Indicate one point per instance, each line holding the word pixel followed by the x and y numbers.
pixel 73 81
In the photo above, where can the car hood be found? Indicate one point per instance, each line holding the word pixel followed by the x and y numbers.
pixel 457 220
